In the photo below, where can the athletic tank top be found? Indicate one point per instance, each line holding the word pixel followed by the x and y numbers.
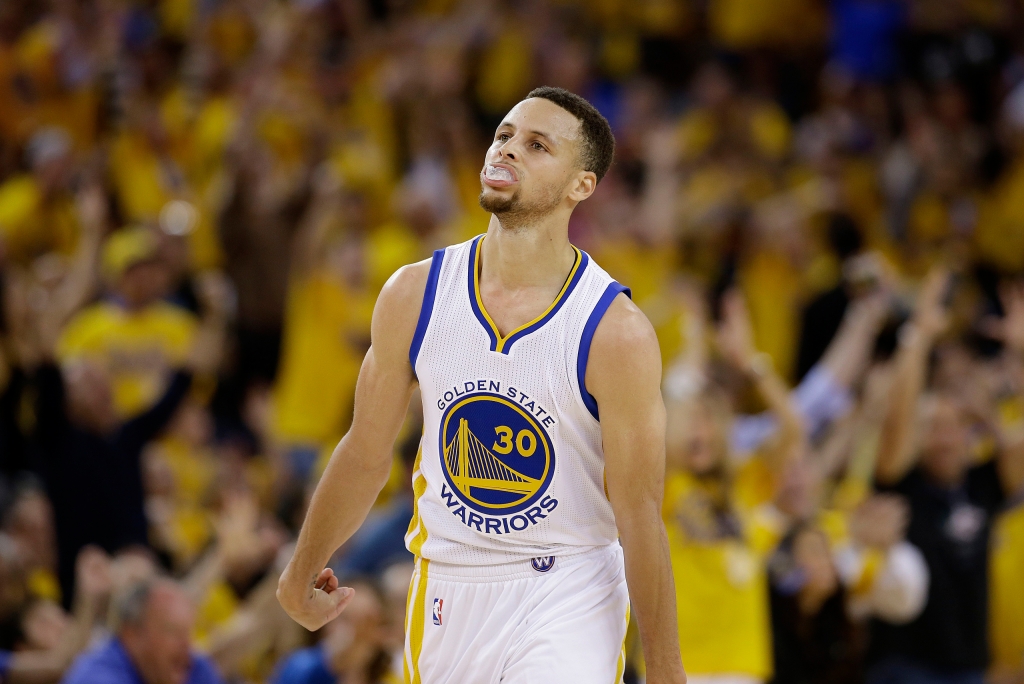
pixel 510 466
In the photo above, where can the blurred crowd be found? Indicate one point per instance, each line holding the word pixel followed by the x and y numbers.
pixel 818 203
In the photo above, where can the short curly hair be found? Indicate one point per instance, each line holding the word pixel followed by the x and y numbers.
pixel 598 140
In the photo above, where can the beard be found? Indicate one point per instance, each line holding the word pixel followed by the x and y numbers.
pixel 513 213
pixel 501 206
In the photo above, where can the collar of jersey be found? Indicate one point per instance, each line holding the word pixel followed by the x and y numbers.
pixel 503 344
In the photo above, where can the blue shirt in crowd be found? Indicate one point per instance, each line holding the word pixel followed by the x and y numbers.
pixel 108 663
pixel 864 34
pixel 308 666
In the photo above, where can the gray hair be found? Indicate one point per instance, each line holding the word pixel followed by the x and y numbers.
pixel 128 608
pixel 49 143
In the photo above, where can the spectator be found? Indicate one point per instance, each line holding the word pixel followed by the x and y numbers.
pixel 134 337
pixel 29 523
pixel 1006 600
pixel 90 458
pixel 721 521
pixel 806 152
pixel 864 37
pixel 151 644
pixel 822 316
pixel 814 638
pixel 37 209
pixel 952 504
pixel 1006 593
pixel 60 293
pixel 824 394
pixel 42 655
pixel 822 595
pixel 324 326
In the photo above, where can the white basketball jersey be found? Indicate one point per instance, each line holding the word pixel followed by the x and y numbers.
pixel 510 466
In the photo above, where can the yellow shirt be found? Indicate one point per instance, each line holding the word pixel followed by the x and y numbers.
pixel 999 237
pixel 139 349
pixel 1006 596
pixel 506 65
pixel 388 248
pixel 718 562
pixel 30 225
pixel 648 272
pixel 319 363
pixel 139 176
pixel 743 24
pixel 773 287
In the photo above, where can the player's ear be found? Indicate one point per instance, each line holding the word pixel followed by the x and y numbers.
pixel 582 186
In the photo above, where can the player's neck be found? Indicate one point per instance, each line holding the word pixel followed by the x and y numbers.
pixel 529 256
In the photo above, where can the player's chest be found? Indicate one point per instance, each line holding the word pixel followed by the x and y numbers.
pixel 510 309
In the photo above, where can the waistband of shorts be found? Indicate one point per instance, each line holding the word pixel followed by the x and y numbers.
pixel 524 569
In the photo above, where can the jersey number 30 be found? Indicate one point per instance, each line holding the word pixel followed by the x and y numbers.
pixel 526 441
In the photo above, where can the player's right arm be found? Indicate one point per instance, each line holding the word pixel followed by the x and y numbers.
pixel 361 462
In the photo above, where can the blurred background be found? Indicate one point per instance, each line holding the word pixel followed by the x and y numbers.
pixel 818 203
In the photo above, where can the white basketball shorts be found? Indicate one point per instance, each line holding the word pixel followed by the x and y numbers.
pixel 550 619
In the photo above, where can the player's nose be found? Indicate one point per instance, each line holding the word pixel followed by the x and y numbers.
pixel 507 149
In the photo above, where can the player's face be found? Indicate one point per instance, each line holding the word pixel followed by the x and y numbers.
pixel 532 166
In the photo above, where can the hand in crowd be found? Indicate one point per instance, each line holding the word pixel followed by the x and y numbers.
pixel 880 521
pixel 735 333
pixel 93 575
pixel 247 544
pixel 217 302
pixel 931 317
pixel 207 350
pixel 871 309
pixel 216 295
pixel 1012 296
pixel 93 581
pixel 91 209
pixel 1009 328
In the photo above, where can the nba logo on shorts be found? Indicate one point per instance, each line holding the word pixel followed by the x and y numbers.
pixel 437 610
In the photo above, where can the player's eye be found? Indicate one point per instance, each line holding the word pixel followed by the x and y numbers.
pixel 503 137
pixel 538 146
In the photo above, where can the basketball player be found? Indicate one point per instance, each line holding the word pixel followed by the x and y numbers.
pixel 540 476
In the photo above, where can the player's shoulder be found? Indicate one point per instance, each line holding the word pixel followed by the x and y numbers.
pixel 397 310
pixel 405 287
pixel 624 353
pixel 624 329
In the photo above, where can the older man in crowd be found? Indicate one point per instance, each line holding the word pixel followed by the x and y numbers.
pixel 152 642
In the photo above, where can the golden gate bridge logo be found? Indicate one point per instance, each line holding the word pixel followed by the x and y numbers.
pixel 496 457
pixel 471 464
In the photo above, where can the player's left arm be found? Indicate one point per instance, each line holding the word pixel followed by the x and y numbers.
pixel 624 376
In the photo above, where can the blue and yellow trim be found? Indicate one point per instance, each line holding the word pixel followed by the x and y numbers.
pixel 620 666
pixel 610 293
pixel 416 534
pixel 427 308
pixel 415 619
pixel 503 344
